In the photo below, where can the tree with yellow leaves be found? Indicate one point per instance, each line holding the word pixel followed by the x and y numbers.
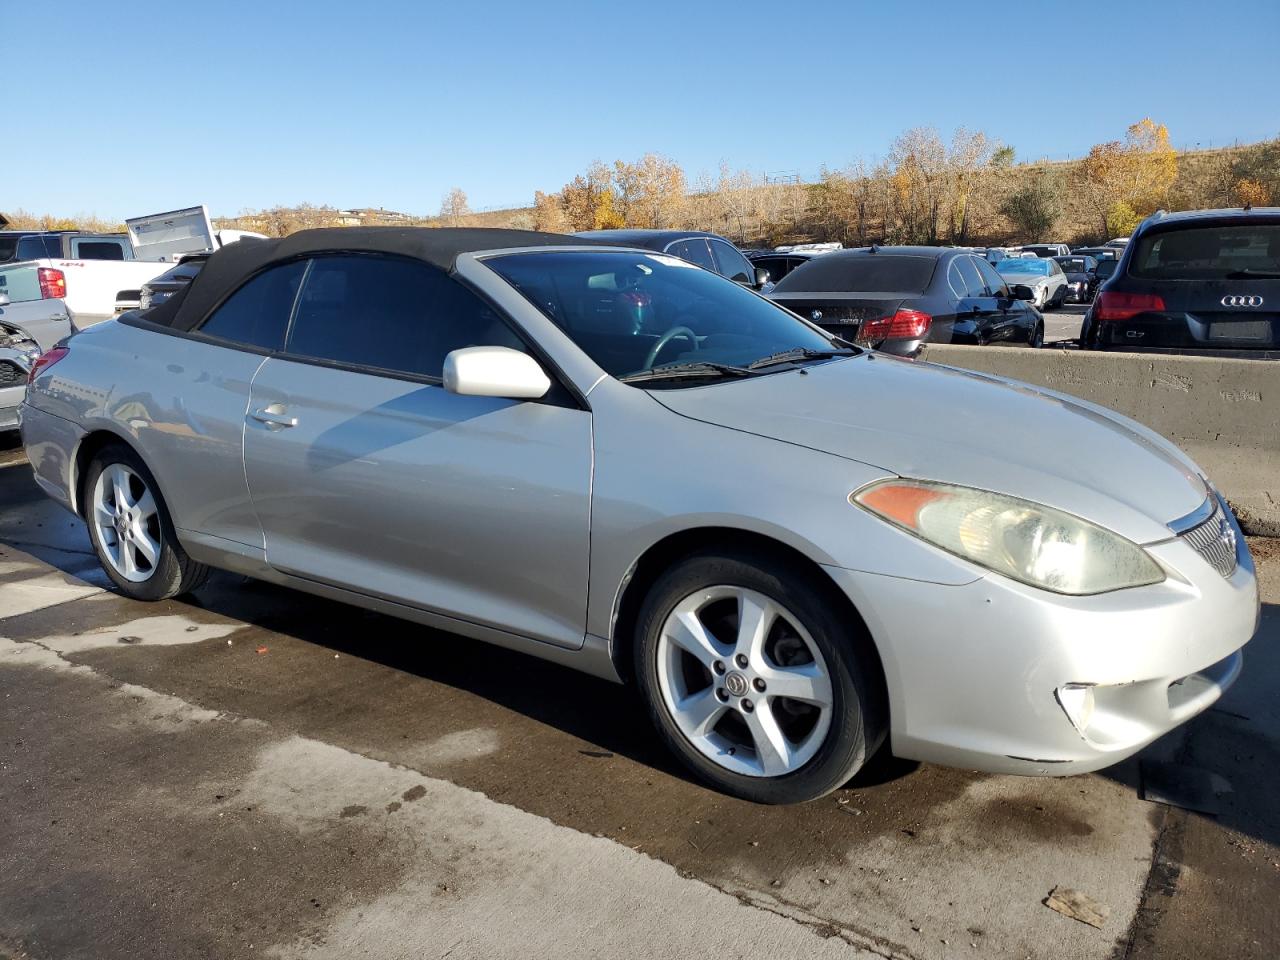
pixel 1126 180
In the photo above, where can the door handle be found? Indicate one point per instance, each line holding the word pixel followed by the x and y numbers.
pixel 274 416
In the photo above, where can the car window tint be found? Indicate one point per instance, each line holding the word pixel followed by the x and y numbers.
pixel 731 263
pixel 974 285
pixel 995 283
pixel 38 248
pixel 99 250
pixel 257 313
pixel 860 272
pixel 390 314
pixel 1208 252
pixel 695 251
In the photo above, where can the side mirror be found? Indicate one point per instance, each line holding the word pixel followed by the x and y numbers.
pixel 762 277
pixel 1020 291
pixel 494 372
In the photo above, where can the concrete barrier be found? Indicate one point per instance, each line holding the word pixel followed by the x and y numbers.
pixel 1224 413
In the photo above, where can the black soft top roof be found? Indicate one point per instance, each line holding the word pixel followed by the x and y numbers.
pixel 229 267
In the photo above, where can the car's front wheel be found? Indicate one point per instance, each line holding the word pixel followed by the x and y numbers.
pixel 753 679
pixel 131 531
pixel 1037 337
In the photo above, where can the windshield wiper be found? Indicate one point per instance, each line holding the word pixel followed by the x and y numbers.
pixel 800 353
pixel 691 370
pixel 1256 274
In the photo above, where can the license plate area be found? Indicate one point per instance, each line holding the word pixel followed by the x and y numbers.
pixel 1259 330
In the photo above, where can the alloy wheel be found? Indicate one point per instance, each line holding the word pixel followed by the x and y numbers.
pixel 127 522
pixel 744 681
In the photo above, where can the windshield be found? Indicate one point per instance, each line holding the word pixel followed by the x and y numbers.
pixel 1073 264
pixel 1024 265
pixel 632 312
pixel 1209 253
pixel 860 273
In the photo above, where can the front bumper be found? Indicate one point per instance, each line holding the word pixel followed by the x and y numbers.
pixel 997 676
pixel 10 400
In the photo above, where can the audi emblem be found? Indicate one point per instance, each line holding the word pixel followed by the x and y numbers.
pixel 1241 301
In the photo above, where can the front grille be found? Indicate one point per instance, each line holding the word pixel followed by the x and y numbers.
pixel 1215 540
pixel 11 374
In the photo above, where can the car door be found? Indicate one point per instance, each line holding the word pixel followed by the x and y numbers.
pixel 192 392
pixel 1011 319
pixel 368 475
pixel 980 305
pixel 732 264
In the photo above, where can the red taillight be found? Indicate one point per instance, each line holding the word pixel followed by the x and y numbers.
pixel 45 361
pixel 53 283
pixel 1113 305
pixel 903 325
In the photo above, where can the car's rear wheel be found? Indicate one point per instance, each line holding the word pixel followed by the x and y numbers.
pixel 754 681
pixel 131 531
pixel 1037 337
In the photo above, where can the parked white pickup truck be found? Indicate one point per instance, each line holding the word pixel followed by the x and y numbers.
pixel 89 273
pixel 54 283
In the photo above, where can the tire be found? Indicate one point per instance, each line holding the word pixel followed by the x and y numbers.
pixel 825 656
pixel 1037 337
pixel 128 564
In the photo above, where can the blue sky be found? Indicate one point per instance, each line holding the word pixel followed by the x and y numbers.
pixel 121 108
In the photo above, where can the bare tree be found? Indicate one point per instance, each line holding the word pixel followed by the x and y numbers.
pixel 454 207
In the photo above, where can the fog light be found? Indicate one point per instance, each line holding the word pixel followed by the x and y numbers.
pixel 1077 702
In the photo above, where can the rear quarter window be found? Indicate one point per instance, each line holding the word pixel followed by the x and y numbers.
pixel 867 273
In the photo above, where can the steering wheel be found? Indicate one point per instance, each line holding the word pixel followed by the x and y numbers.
pixel 664 340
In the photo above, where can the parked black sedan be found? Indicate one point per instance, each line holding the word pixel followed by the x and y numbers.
pixel 898 298
pixel 705 249
pixel 1082 277
pixel 778 264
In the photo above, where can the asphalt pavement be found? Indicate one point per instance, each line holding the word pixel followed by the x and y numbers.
pixel 1064 323
pixel 253 772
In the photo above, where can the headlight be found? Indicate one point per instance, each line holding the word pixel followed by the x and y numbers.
pixel 1028 542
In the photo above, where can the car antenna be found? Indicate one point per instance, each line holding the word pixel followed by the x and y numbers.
pixel 1248 205
pixel 875 248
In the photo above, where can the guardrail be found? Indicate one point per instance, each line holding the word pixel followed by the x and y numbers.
pixel 1224 413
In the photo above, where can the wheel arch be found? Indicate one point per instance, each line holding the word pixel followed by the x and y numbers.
pixel 660 556
pixel 89 446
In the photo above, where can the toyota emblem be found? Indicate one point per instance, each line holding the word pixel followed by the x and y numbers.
pixel 1241 301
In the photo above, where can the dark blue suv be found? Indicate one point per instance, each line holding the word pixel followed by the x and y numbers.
pixel 1204 281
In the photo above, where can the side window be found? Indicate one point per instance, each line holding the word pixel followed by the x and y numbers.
pixel 390 314
pixel 955 281
pixel 995 282
pixel 98 250
pixel 39 248
pixel 731 263
pixel 256 315
pixel 695 251
pixel 974 285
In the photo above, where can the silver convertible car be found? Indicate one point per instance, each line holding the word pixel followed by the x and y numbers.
pixel 797 549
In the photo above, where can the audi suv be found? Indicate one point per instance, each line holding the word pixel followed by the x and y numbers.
pixel 1196 282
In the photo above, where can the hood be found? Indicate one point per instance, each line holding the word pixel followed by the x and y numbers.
pixel 932 422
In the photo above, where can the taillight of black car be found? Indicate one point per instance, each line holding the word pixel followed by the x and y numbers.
pixel 904 324
pixel 1111 306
